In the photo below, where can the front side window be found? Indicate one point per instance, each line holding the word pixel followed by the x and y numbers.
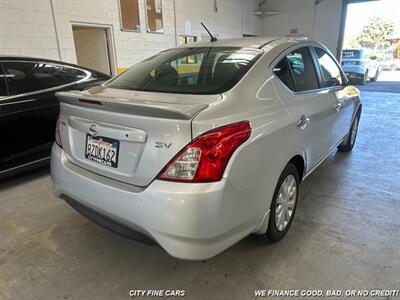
pixel 303 71
pixel 330 72
pixel 25 77
pixel 210 71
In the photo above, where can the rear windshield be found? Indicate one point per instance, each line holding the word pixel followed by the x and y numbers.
pixel 202 70
pixel 351 54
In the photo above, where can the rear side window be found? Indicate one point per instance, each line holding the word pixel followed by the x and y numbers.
pixel 302 71
pixel 282 71
pixel 330 72
pixel 200 70
pixel 25 77
pixel 68 74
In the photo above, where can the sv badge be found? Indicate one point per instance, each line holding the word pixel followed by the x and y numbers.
pixel 163 145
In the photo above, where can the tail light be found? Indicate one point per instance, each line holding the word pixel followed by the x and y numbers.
pixel 58 136
pixel 206 157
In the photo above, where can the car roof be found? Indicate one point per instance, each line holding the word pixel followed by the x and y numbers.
pixel 249 42
pixel 45 60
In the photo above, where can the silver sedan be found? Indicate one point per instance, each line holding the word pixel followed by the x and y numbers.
pixel 199 146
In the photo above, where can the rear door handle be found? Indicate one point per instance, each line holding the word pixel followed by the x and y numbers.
pixel 303 122
pixel 338 106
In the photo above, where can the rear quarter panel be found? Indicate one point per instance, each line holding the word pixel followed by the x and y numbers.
pixel 254 169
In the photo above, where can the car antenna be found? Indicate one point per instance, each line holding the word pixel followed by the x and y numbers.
pixel 213 38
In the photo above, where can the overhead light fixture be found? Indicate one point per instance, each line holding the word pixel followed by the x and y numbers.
pixel 261 12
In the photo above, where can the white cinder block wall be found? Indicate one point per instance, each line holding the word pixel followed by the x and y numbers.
pixel 317 20
pixel 27 26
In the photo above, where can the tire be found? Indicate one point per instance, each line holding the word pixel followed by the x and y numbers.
pixel 348 144
pixel 375 78
pixel 364 79
pixel 285 202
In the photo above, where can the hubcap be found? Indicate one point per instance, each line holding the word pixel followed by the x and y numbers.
pixel 285 203
pixel 354 131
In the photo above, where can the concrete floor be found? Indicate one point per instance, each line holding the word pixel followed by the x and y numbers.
pixel 345 235
pixel 388 81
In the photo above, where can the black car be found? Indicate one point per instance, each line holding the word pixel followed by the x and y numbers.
pixel 29 108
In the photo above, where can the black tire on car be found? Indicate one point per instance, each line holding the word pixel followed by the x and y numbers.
pixel 276 228
pixel 348 143
pixel 375 78
pixel 364 79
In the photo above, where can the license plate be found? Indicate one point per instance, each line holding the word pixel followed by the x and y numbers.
pixel 102 150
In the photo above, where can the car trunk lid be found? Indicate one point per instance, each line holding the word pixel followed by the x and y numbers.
pixel 127 135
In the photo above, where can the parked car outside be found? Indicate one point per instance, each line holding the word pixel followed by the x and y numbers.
pixel 358 68
pixel 197 160
pixel 29 108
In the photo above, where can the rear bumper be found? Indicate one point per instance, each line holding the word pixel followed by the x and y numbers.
pixel 190 221
pixel 106 222
pixel 354 76
pixel 354 71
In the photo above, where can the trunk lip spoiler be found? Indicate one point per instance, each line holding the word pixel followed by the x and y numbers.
pixel 136 107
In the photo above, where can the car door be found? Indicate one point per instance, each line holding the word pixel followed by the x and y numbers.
pixel 29 112
pixel 332 79
pixel 27 115
pixel 310 107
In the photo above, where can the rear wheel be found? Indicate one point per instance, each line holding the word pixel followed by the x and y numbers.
pixel 283 204
pixel 375 78
pixel 348 144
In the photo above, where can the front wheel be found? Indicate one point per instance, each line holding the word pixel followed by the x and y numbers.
pixel 364 79
pixel 348 143
pixel 283 205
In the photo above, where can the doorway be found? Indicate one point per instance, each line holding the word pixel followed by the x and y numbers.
pixel 93 48
pixel 371 45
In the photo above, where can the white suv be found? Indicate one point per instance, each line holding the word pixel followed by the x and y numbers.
pixel 358 67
